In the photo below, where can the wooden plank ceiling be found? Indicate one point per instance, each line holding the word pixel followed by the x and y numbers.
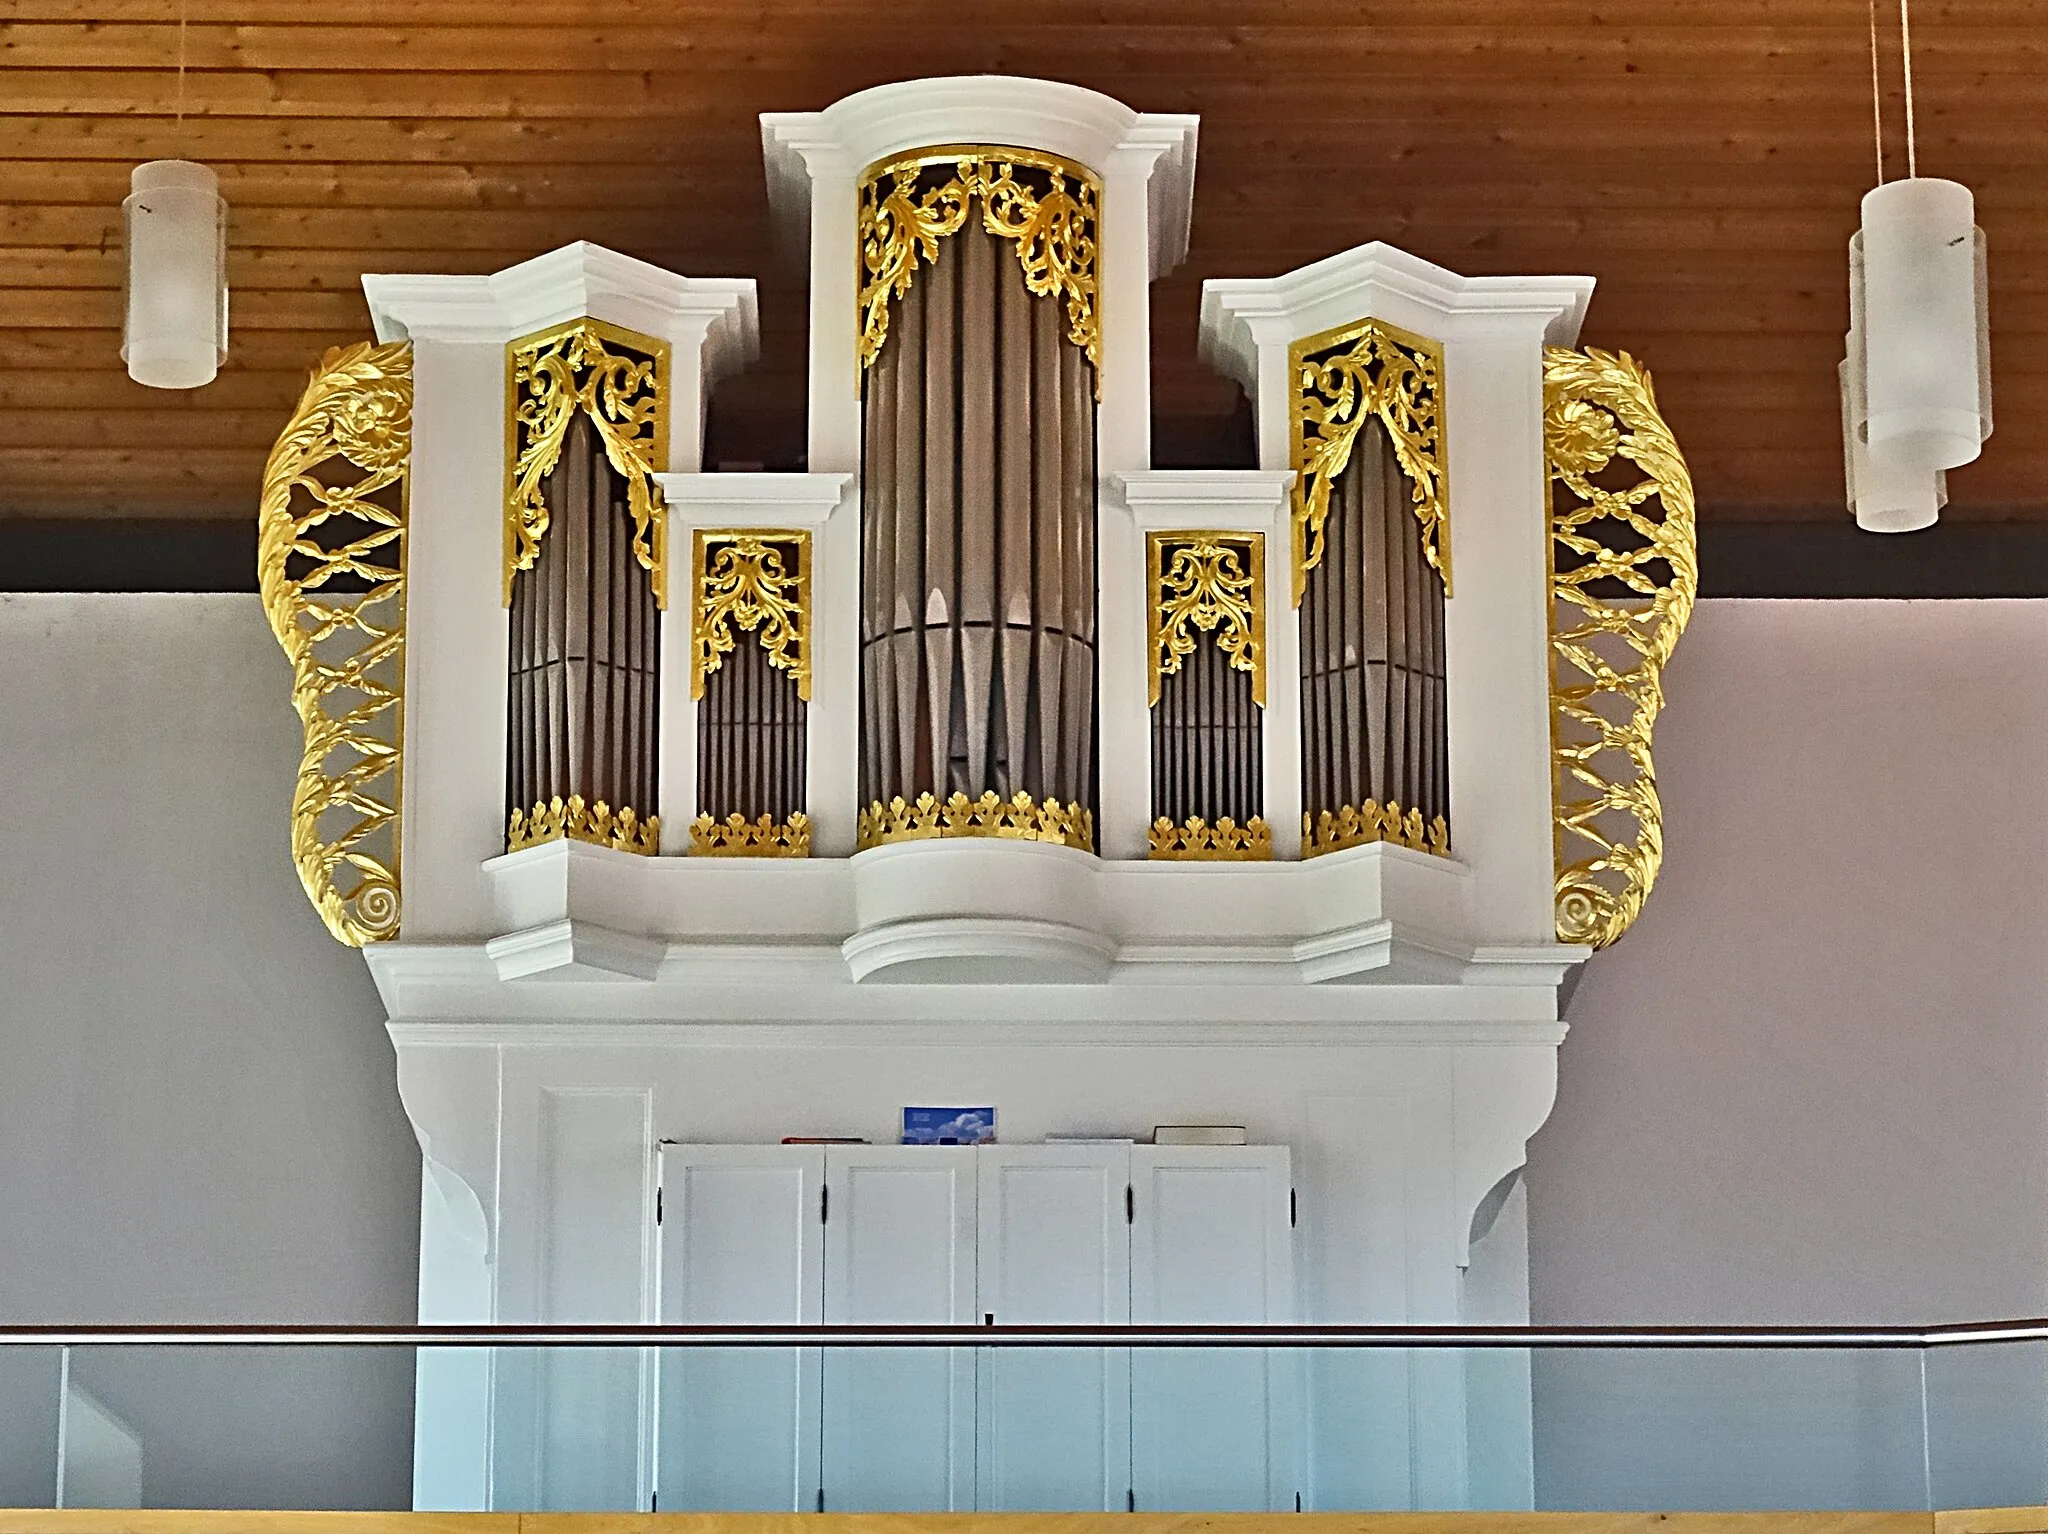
pixel 1702 158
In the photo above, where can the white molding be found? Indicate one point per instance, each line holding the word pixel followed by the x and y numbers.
pixel 1249 500
pixel 575 950
pixel 753 500
pixel 1241 315
pixel 1004 950
pixel 574 282
pixel 1083 125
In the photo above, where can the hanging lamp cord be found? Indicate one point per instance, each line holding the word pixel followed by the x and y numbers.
pixel 1876 96
pixel 181 61
pixel 1906 55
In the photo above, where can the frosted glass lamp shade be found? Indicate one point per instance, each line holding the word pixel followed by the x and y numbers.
pixel 1923 321
pixel 1886 495
pixel 175 334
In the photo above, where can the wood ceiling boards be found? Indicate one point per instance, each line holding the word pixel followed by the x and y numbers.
pixel 1702 158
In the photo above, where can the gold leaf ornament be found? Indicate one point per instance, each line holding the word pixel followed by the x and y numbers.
pixel 1213 584
pixel 757 583
pixel 1018 818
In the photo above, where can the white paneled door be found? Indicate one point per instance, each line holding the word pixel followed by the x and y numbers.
pixel 1053 1249
pixel 741 1245
pixel 899 1250
pixel 1212 1429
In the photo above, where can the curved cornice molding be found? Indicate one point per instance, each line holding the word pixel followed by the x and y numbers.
pixel 1081 125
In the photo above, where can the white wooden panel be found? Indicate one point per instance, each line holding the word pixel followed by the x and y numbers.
pixel 1211 1429
pixel 899 1249
pixel 595 1176
pixel 741 1245
pixel 1053 1249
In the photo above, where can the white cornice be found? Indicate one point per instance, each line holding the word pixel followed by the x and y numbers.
pixel 1212 498
pixel 753 500
pixel 1083 125
pixel 718 314
pixel 1381 281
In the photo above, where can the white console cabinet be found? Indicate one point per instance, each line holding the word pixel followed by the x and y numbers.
pixel 1072 1235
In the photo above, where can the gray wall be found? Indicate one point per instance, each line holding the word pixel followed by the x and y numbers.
pixel 198 1112
pixel 1811 1085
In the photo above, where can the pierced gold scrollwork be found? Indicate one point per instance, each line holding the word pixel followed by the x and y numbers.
pixel 757 581
pixel 551 375
pixel 1354 826
pixel 1624 574
pixel 738 837
pixel 1211 583
pixel 1200 841
pixel 1018 818
pixel 1342 379
pixel 905 211
pixel 330 565
pixel 599 824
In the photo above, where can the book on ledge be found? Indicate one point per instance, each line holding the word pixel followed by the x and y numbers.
pixel 1198 1134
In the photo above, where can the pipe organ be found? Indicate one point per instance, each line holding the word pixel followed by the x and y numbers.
pixel 981 758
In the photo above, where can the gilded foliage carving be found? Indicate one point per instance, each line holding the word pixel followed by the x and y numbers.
pixel 1052 224
pixel 1625 572
pixel 549 377
pixel 331 569
pixel 756 582
pixel 1342 379
pixel 1018 818
pixel 1213 583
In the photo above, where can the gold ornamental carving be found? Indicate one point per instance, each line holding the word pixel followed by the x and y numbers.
pixel 330 563
pixel 1342 379
pixel 1208 583
pixel 1198 840
pixel 570 819
pixel 738 837
pixel 1624 575
pixel 1018 818
pixel 1053 229
pixel 756 582
pixel 1354 826
pixel 551 375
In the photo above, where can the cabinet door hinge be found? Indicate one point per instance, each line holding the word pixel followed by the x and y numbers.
pixel 1130 1205
pixel 824 1214
pixel 1293 1208
pixel 657 1206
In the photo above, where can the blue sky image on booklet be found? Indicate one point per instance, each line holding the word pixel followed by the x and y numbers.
pixel 949 1126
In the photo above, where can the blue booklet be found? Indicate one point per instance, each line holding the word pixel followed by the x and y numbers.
pixel 949 1126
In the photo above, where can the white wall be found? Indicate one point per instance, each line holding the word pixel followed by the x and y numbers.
pixel 198 1115
pixel 1812 1084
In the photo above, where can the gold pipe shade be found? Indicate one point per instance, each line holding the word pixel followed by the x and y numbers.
pixel 1624 575
pixel 1053 226
pixel 330 564
pixel 1214 583
pixel 623 389
pixel 758 581
pixel 1342 379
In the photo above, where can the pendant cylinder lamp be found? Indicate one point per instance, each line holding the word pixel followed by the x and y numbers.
pixel 175 335
pixel 1916 384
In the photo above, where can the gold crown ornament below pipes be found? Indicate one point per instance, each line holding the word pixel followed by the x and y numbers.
pixel 738 837
pixel 571 819
pixel 1334 830
pixel 1018 818
pixel 1198 841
